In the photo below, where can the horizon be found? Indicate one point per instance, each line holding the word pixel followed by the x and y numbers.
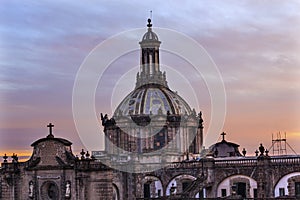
pixel 254 46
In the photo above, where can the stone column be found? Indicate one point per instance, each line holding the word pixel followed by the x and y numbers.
pixel 264 186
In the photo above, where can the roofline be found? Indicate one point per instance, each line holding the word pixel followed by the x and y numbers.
pixel 61 140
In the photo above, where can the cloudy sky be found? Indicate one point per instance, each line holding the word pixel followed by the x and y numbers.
pixel 254 44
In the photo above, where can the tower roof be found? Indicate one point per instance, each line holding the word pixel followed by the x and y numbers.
pixel 150 39
pixel 149 62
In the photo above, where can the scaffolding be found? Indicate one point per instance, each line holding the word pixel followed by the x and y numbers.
pixel 279 144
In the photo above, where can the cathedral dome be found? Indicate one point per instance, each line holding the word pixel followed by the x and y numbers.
pixel 151 94
pixel 152 99
pixel 149 117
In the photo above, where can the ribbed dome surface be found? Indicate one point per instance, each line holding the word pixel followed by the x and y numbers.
pixel 150 36
pixel 152 98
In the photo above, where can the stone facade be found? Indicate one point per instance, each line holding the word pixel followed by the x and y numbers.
pixel 53 172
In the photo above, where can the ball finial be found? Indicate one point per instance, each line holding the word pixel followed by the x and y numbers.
pixel 149 23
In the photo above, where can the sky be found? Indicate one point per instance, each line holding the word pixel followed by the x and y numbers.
pixel 254 44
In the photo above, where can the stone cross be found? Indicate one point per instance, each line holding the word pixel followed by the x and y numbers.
pixel 223 135
pixel 50 126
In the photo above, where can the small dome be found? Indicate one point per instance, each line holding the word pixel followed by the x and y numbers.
pixel 150 36
pixel 152 99
pixel 225 149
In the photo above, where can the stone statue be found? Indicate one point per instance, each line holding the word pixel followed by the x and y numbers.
pixel 68 189
pixel 30 193
pixel 173 189
pixel 200 125
pixel 261 149
pixel 200 115
pixel 104 119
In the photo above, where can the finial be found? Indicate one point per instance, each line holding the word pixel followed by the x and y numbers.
pixel 256 152
pixel 5 158
pixel 149 23
pixel 267 152
pixel 50 126
pixel 223 135
pixel 244 152
pixel 14 158
pixel 82 154
pixel 87 155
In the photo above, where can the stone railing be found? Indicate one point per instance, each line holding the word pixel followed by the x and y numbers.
pixel 90 165
pixel 181 165
pixel 285 160
pixel 236 162
pixel 252 161
pixel 217 162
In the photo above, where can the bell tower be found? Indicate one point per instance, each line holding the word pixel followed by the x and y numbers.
pixel 149 60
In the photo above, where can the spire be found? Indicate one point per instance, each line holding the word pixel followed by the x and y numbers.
pixel 149 61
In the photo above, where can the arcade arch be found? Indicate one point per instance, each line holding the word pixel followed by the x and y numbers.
pixel 288 185
pixel 237 184
pixel 152 187
pixel 179 183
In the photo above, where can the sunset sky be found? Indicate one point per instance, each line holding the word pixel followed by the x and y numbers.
pixel 254 44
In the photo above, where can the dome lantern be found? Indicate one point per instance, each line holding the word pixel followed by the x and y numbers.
pixel 151 94
pixel 149 61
